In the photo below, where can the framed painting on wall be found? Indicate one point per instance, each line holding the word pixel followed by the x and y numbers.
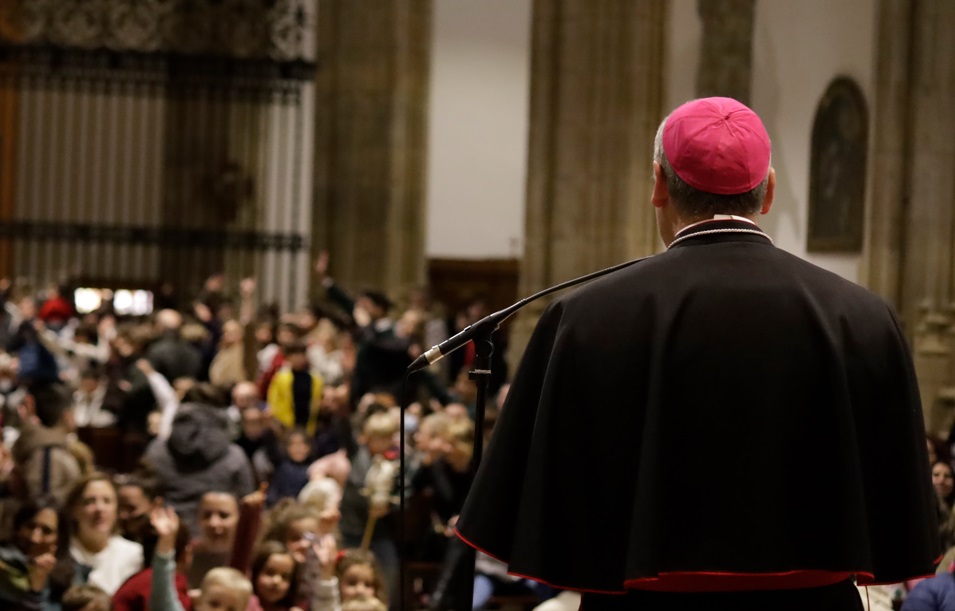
pixel 837 171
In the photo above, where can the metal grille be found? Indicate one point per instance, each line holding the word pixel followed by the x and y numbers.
pixel 138 169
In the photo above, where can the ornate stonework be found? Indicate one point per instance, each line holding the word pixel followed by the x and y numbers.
pixel 279 30
pixel 171 134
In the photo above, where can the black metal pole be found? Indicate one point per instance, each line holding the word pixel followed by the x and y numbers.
pixel 481 374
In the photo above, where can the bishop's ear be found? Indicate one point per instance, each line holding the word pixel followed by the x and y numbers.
pixel 770 192
pixel 661 195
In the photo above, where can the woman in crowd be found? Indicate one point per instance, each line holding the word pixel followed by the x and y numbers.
pixel 27 561
pixel 943 480
pixel 222 589
pixel 100 556
pixel 218 523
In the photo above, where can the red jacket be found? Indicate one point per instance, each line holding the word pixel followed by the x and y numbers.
pixel 133 595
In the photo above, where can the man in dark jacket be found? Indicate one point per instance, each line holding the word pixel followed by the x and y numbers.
pixel 722 426
pixel 170 355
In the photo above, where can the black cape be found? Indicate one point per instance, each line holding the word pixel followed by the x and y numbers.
pixel 721 408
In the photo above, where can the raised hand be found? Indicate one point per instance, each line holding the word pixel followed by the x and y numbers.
pixel 40 568
pixel 326 549
pixel 321 263
pixel 145 366
pixel 257 498
pixel 166 524
pixel 202 311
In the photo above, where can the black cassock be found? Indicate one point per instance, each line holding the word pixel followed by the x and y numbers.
pixel 722 416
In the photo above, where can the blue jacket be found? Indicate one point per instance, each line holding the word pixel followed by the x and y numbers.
pixel 934 594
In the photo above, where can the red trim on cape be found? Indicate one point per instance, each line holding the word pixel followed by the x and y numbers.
pixel 713 581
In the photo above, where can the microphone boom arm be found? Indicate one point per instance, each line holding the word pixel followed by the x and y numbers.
pixel 490 323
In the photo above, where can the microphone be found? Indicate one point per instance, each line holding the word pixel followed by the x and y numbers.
pixel 436 353
pixel 490 323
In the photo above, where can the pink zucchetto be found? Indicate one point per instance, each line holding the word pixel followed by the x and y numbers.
pixel 717 145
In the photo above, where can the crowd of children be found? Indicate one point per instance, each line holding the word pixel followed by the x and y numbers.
pixel 218 454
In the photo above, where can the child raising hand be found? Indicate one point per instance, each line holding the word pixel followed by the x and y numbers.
pixel 224 589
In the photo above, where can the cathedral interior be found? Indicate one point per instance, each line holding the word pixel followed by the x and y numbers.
pixel 493 148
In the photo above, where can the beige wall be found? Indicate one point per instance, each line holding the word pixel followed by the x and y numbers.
pixel 798 48
pixel 478 123
pixel 477 139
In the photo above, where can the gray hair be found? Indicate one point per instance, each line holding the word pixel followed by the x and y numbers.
pixel 693 204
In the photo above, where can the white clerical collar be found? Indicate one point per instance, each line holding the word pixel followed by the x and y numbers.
pixel 718 217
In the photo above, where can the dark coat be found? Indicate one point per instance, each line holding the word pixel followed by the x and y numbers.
pixel 15 591
pixel 37 363
pixel 659 411
pixel 174 358
pixel 198 458
pixel 382 356
pixel 288 480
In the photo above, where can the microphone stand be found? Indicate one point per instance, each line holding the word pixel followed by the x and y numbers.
pixel 481 374
pixel 480 333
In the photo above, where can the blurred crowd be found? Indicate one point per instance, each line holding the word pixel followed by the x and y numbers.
pixel 220 454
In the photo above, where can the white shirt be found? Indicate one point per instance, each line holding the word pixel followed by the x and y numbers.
pixel 114 564
pixel 88 408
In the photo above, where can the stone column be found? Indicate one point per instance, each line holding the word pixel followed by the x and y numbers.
pixel 371 115
pixel 910 215
pixel 929 245
pixel 726 52
pixel 932 355
pixel 596 96
pixel 888 189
